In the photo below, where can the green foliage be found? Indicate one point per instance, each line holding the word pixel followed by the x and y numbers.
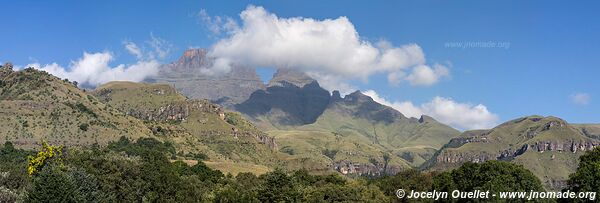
pixel 330 153
pixel 82 108
pixel 197 156
pixel 84 126
pixel 55 185
pixel 142 146
pixel 200 170
pixel 140 171
pixel 587 176
pixel 278 187
pixel 495 176
pixel 408 180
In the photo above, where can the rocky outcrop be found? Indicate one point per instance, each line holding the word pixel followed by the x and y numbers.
pixel 285 76
pixel 226 89
pixel 359 105
pixel 451 157
pixel 362 169
pixel 285 103
pixel 177 111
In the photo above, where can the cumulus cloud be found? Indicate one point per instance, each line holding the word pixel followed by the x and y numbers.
pixel 93 69
pixel 329 47
pixel 424 75
pixel 463 116
pixel 581 98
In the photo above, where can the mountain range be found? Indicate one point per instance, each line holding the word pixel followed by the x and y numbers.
pixel 240 124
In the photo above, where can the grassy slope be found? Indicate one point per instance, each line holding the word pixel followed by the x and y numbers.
pixel 512 135
pixel 357 139
pixel 35 105
pixel 202 131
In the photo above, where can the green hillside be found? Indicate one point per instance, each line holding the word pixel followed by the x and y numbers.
pixel 356 135
pixel 548 146
pixel 35 105
pixel 195 126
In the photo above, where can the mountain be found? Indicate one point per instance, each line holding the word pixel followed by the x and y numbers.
pixel 36 106
pixel 290 99
pixel 192 125
pixel 353 135
pixel 548 146
pixel 367 135
pixel 226 89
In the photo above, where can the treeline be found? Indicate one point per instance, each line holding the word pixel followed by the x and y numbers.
pixel 143 171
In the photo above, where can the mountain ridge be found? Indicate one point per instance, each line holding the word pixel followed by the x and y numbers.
pixel 548 146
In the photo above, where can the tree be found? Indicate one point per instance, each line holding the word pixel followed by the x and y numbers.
pixel 52 185
pixel 587 176
pixel 278 187
pixel 495 176
pixel 407 180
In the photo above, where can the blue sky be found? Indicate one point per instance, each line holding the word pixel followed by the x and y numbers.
pixel 550 66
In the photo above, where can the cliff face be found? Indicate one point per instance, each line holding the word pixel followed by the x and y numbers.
pixel 365 169
pixel 457 157
pixel 528 141
pixel 291 99
pixel 225 89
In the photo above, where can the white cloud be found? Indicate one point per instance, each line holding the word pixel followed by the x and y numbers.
pixel 332 82
pixel 93 69
pixel 424 75
pixel 329 47
pixel 133 49
pixel 217 24
pixel 463 116
pixel 581 98
pixel 155 48
pixel 160 47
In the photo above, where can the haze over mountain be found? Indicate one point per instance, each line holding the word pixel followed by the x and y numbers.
pixel 187 76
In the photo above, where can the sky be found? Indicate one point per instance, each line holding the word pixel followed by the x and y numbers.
pixel 470 64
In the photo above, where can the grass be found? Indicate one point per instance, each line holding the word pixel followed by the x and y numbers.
pixel 512 135
pixel 55 110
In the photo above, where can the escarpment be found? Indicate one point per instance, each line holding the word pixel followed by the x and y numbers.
pixel 535 142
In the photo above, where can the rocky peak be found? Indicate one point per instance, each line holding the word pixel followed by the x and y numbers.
pixel 225 89
pixel 360 105
pixel 192 58
pixel 286 76
pixel 335 96
pixel 425 118
pixel 357 97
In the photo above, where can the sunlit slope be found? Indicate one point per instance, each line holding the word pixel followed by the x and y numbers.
pixel 548 146
pixel 194 125
pixel 357 130
pixel 35 105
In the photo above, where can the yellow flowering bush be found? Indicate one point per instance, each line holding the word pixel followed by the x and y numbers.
pixel 46 153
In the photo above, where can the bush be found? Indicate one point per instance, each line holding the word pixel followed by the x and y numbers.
pixel 587 176
pixel 84 126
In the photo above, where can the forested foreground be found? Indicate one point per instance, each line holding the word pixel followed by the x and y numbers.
pixel 143 171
